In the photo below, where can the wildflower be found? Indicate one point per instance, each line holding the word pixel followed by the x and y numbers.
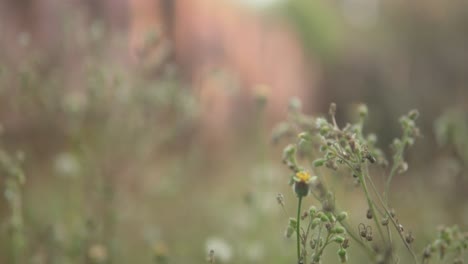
pixel 302 176
pixel 98 253
pixel 160 251
pixel 302 181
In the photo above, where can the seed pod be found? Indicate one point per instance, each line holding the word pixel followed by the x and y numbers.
pixel 362 230
pixel 427 253
pixel 409 238
pixel 371 158
pixel 385 221
pixel 345 243
pixel 312 244
pixel 369 214
pixel 280 199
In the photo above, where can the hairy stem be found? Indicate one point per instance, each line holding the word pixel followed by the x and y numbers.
pixel 396 163
pixel 298 229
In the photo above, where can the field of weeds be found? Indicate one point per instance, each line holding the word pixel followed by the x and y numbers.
pixel 109 157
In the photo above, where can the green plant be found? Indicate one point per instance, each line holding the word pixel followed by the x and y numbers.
pixel 322 143
pixel 10 167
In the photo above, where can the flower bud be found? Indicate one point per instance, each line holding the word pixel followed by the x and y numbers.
pixel 288 152
pixel 301 189
pixel 413 114
pixel 315 223
pixel 318 162
pixel 338 230
pixel 305 136
pixel 342 255
pixel 362 109
pixel 324 218
pixel 312 210
pixel 342 216
pixel 289 232
pixel 292 222
pixel 339 239
pixel 295 104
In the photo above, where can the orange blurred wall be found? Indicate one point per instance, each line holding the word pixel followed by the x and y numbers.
pixel 212 36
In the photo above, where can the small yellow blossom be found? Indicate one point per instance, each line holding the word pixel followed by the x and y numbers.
pixel 98 253
pixel 303 176
pixel 160 249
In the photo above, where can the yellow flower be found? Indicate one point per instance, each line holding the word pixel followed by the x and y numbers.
pixel 302 180
pixel 303 176
pixel 160 249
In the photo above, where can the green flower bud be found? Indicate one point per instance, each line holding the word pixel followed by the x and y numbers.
pixel 289 232
pixel 342 255
pixel 339 239
pixel 330 216
pixel 312 210
pixel 338 230
pixel 342 216
pixel 295 104
pixel 324 218
pixel 362 109
pixel 413 114
pixel 318 162
pixel 288 152
pixel 305 136
pixel 292 222
pixel 301 188
pixel 315 223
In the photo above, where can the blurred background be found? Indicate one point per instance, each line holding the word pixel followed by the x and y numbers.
pixel 143 127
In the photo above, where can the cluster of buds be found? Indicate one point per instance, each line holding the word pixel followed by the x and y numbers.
pixel 410 133
pixel 347 145
pixel 335 232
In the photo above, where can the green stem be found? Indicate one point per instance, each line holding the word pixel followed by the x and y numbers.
pixel 298 228
pixel 397 158
pixel 350 232
pixel 395 224
pixel 371 205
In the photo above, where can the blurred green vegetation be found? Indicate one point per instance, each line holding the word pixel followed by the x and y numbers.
pixel 115 171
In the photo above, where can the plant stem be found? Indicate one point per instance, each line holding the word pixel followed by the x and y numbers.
pixel 298 229
pixel 397 158
pixel 371 205
pixel 395 224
